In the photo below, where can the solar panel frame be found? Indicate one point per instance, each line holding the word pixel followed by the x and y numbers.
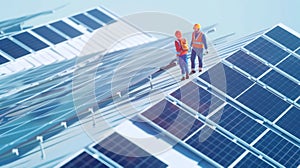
pixel 251 160
pixel 101 16
pixel 266 50
pixel 66 29
pixel 30 41
pixel 263 102
pixel 172 119
pixel 281 84
pixel 291 66
pixel 87 21
pixel 284 37
pixel 279 149
pixel 217 147
pixel 290 122
pixel 247 63
pixel 12 49
pixel 298 52
pixel 49 34
pixel 207 102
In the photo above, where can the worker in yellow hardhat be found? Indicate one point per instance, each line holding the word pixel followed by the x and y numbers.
pixel 198 44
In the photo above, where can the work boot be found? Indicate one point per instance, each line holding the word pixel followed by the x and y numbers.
pixel 183 78
pixel 200 69
pixel 192 72
pixel 187 76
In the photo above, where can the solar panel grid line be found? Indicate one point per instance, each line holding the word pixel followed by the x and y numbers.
pixel 251 160
pixel 101 16
pixel 277 43
pixel 86 21
pixel 30 41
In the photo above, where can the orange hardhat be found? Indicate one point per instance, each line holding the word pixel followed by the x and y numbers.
pixel 197 26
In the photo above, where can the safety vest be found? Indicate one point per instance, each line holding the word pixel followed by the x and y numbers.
pixel 197 42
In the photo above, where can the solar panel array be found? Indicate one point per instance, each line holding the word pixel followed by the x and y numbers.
pixel 45 36
pixel 249 118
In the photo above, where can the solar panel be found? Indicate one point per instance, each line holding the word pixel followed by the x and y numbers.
pixel 101 16
pixel 263 102
pixel 87 21
pixel 129 154
pixel 298 52
pixel 66 29
pixel 290 122
pixel 3 60
pixel 12 48
pixel 235 83
pixel 247 63
pixel 284 37
pixel 291 66
pixel 30 41
pixel 84 160
pixel 172 119
pixel 266 50
pixel 49 34
pixel 282 84
pixel 251 160
pixel 279 149
pixel 238 123
pixel 217 147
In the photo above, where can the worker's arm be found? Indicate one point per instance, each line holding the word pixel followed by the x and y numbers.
pixel 204 41
pixel 178 48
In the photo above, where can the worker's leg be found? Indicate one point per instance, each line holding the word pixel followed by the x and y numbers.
pixel 181 65
pixel 186 65
pixel 200 58
pixel 193 56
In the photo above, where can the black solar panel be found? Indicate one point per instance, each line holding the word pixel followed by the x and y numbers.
pixel 126 153
pixel 12 48
pixel 172 119
pixel 238 123
pixel 3 60
pixel 247 63
pixel 284 37
pixel 66 29
pixel 291 66
pixel 226 79
pixel 263 102
pixel 291 122
pixel 49 35
pixel 279 149
pixel 282 84
pixel 217 147
pixel 101 16
pixel 266 50
pixel 87 21
pixel 197 98
pixel 30 41
pixel 84 160
pixel 251 160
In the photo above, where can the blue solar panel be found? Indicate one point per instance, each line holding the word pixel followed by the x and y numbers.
pixel 87 21
pixel 263 102
pixel 284 37
pixel 234 82
pixel 251 160
pixel 238 123
pixel 279 149
pixel 101 16
pixel 203 102
pixel 30 41
pixel 172 119
pixel 291 66
pixel 49 34
pixel 217 147
pixel 282 84
pixel 84 160
pixel 3 60
pixel 298 52
pixel 266 50
pixel 247 63
pixel 12 48
pixel 66 29
pixel 127 153
pixel 291 122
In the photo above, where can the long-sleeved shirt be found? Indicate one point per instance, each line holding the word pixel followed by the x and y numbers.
pixel 203 39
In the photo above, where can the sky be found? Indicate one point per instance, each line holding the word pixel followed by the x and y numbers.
pixel 240 16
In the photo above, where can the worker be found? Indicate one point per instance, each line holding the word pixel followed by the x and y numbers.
pixel 198 44
pixel 182 48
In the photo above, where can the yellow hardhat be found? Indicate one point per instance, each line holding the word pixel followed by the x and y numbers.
pixel 197 26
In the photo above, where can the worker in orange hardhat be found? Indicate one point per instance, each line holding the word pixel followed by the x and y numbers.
pixel 198 44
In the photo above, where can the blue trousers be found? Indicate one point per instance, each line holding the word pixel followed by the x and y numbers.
pixel 199 53
pixel 183 63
